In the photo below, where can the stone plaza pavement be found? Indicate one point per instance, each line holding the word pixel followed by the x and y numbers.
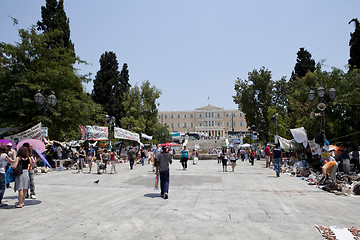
pixel 204 203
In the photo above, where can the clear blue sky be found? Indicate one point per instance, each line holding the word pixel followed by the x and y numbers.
pixel 194 50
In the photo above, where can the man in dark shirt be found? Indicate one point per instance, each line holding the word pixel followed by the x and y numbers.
pixel 162 165
pixel 277 156
pixel 131 157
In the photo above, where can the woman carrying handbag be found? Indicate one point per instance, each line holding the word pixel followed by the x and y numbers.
pixel 22 181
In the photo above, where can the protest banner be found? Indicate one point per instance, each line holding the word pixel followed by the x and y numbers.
pixel 31 133
pixel 94 133
pixel 143 135
pixel 125 134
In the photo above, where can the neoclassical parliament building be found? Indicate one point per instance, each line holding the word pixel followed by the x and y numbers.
pixel 209 120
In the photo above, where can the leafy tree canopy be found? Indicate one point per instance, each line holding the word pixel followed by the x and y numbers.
pixel 25 68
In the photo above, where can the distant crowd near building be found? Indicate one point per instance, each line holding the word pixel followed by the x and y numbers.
pixel 209 120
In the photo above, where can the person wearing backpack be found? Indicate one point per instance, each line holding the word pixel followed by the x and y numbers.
pixel 184 158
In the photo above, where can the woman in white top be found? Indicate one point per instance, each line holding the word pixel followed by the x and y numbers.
pixel 232 157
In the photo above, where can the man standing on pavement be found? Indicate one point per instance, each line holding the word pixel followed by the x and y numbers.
pixel 355 156
pixel 162 165
pixel 12 155
pixel 131 157
pixel 267 155
pixel 277 156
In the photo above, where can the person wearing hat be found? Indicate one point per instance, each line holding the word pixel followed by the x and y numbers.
pixel 4 159
pixel 162 167
pixel 12 155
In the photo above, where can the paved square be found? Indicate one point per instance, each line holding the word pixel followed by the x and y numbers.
pixel 204 203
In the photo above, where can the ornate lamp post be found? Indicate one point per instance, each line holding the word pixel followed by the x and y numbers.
pixel 111 122
pixel 49 101
pixel 323 99
pixel 275 118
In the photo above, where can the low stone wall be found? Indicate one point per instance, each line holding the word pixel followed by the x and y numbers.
pixel 201 157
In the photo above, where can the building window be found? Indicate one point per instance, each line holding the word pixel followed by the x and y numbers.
pixel 184 125
pixel 218 115
pixel 172 115
pixel 240 124
pixel 178 125
pixel 184 115
pixel 212 114
pixel 165 116
pixel 218 124
pixel 212 123
pixel 159 116
pixel 206 114
pixel 172 125
pixel 240 114
pixel 200 124
pixel 191 116
pixel 227 115
pixel 227 124
pixel 234 124
pixel 178 115
pixel 191 125
pixel 200 115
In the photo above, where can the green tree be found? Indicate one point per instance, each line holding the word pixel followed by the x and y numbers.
pixel 55 26
pixel 354 61
pixel 122 89
pixel 141 109
pixel 110 86
pixel 254 97
pixel 304 64
pixel 24 68
pixel 149 95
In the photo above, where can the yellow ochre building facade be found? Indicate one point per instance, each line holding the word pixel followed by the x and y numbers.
pixel 208 120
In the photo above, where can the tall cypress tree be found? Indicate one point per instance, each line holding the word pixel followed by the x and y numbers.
pixel 55 26
pixel 124 87
pixel 354 61
pixel 304 64
pixel 110 86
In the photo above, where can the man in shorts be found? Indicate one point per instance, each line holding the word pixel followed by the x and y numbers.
pixel 267 156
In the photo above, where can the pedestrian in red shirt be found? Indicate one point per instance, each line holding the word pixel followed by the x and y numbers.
pixel 267 155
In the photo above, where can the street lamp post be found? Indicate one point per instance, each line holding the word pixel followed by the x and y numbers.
pixel 276 121
pixel 111 121
pixel 252 129
pixel 45 103
pixel 323 100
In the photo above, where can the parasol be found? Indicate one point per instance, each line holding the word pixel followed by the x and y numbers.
pixel 4 142
pixel 39 145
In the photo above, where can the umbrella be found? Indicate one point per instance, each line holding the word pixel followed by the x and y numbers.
pixel 168 144
pixel 235 141
pixel 39 145
pixel 4 142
